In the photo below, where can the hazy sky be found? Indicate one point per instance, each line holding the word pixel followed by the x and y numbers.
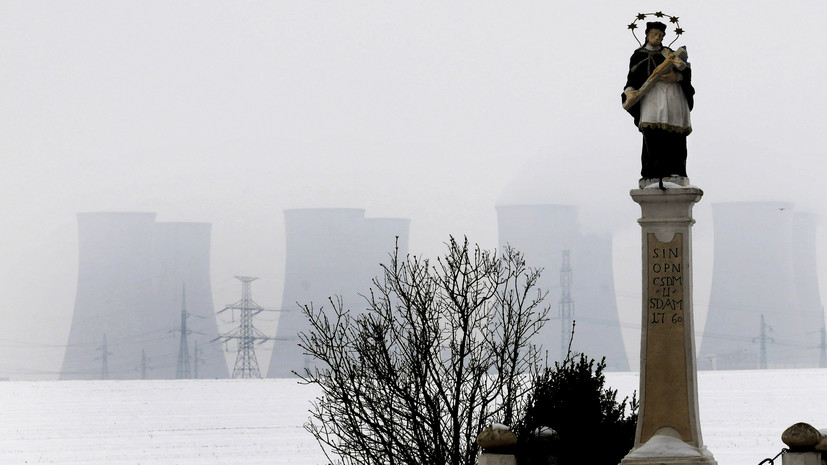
pixel 230 112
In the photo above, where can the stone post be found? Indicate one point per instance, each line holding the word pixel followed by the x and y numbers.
pixel 497 443
pixel 668 429
pixel 804 442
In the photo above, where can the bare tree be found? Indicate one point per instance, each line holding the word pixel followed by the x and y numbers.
pixel 442 352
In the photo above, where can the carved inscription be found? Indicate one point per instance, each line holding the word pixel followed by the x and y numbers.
pixel 667 395
pixel 665 282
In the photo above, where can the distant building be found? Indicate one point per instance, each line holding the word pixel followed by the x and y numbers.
pixel 131 274
pixel 542 233
pixel 330 252
pixel 764 265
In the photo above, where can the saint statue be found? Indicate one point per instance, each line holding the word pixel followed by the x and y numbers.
pixel 659 96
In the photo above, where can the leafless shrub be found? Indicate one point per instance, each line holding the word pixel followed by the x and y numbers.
pixel 441 352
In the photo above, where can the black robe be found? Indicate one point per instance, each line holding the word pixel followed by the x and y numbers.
pixel 664 152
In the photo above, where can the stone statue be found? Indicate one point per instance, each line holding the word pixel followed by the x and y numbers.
pixel 659 96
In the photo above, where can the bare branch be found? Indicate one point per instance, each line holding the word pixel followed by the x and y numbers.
pixel 443 350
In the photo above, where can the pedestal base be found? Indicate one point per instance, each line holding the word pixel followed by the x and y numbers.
pixel 669 461
pixel 666 448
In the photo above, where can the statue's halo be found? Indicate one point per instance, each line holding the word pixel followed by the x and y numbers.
pixel 659 15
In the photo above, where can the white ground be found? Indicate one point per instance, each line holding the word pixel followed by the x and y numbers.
pixel 253 422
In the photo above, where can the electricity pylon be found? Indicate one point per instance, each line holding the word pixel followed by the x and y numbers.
pixel 566 305
pixel 246 364
pixel 182 371
pixel 104 359
pixel 195 360
pixel 144 363
pixel 822 359
pixel 763 339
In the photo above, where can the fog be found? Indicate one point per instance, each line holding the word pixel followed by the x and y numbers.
pixel 230 113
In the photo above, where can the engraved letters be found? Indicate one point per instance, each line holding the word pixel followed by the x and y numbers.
pixel 665 299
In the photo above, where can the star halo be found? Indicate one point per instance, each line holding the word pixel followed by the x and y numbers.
pixel 673 20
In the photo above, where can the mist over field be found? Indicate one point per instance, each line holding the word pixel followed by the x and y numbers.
pixel 229 114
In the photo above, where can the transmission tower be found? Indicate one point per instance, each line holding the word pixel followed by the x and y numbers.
pixel 144 363
pixel 566 305
pixel 763 339
pixel 822 360
pixel 182 371
pixel 195 360
pixel 246 365
pixel 104 359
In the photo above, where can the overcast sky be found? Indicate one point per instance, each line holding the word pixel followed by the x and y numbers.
pixel 230 112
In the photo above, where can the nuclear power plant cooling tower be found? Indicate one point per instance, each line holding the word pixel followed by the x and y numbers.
pixel 549 238
pixel 330 252
pixel 133 276
pixel 764 307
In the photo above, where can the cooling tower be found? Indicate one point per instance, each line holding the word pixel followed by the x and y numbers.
pixel 597 332
pixel 181 257
pixel 130 279
pixel 757 272
pixel 806 281
pixel 542 233
pixel 329 252
pixel 114 269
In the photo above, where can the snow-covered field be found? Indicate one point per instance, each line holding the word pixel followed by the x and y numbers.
pixel 253 422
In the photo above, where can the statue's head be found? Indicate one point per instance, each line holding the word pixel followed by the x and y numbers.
pixel 654 33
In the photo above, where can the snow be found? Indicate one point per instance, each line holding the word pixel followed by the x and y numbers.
pixel 666 443
pixel 743 413
pixel 669 185
pixel 156 422
pixel 260 421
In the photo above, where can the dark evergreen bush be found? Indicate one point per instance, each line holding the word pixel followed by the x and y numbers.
pixel 593 427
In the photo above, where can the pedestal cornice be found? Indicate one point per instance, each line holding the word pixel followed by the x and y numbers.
pixel 673 205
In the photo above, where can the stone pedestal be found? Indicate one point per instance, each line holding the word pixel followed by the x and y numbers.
pixel 496 459
pixel 668 429
pixel 801 458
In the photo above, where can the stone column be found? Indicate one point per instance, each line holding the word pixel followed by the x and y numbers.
pixel 668 429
